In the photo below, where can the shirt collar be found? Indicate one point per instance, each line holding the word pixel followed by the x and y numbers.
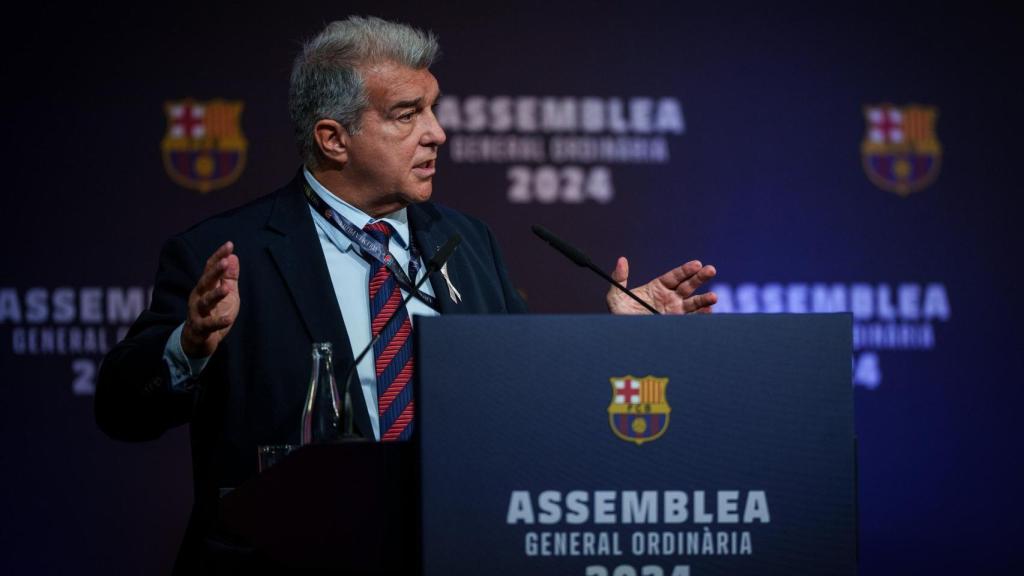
pixel 398 219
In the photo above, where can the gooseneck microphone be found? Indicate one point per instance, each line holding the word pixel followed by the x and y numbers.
pixel 583 261
pixel 433 265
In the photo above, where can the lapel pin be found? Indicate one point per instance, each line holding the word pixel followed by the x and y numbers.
pixel 453 292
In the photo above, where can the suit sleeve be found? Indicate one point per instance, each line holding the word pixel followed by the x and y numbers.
pixel 514 303
pixel 134 399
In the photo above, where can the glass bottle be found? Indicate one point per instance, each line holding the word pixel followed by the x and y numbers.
pixel 321 418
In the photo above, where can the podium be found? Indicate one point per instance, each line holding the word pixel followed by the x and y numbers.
pixel 346 508
pixel 593 445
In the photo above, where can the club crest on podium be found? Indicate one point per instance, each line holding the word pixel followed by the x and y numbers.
pixel 638 411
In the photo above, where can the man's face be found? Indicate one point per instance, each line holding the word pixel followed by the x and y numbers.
pixel 393 157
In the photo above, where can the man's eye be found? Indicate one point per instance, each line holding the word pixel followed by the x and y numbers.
pixel 406 117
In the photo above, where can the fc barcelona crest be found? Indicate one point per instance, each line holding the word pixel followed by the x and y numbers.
pixel 900 151
pixel 638 411
pixel 204 148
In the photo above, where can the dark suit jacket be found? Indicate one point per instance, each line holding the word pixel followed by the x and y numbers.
pixel 252 390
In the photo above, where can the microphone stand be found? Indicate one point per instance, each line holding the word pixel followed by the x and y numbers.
pixel 584 261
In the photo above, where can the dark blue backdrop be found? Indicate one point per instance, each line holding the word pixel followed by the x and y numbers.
pixel 763 178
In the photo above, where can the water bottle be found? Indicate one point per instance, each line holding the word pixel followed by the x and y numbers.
pixel 321 415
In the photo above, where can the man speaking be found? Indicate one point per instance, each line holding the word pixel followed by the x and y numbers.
pixel 240 298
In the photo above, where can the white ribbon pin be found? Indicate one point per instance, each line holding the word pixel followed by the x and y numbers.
pixel 453 292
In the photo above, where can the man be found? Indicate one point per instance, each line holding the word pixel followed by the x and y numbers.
pixel 227 351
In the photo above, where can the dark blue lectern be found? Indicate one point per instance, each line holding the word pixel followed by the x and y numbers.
pixel 674 446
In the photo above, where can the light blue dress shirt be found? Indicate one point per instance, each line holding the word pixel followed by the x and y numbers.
pixel 350 276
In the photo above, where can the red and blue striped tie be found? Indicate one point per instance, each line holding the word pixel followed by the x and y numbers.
pixel 393 351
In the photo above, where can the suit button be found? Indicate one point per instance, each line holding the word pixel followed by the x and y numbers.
pixel 155 384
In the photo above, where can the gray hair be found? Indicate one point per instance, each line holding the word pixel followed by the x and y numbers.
pixel 326 82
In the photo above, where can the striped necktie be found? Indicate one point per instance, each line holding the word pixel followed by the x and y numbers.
pixel 392 353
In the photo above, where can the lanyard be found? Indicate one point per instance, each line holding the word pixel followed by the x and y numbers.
pixel 371 246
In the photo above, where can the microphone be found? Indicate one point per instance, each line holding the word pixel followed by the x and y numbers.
pixel 433 265
pixel 583 261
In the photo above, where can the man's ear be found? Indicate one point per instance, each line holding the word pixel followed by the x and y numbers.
pixel 332 140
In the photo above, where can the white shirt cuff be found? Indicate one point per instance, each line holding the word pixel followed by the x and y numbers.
pixel 182 368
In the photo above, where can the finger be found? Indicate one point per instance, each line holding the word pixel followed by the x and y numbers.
pixel 220 253
pixel 704 302
pixel 211 276
pixel 621 272
pixel 699 302
pixel 215 265
pixel 691 304
pixel 229 276
pixel 209 299
pixel 207 325
pixel 233 268
pixel 696 280
pixel 676 276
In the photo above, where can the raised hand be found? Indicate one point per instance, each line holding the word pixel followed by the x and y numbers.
pixel 670 293
pixel 213 304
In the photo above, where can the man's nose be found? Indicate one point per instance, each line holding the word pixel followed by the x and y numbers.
pixel 434 135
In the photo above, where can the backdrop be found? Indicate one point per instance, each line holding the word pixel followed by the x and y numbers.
pixel 862 160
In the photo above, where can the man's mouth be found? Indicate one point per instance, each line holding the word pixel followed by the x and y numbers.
pixel 425 169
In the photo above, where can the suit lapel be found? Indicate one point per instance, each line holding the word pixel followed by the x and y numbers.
pixel 429 236
pixel 295 249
